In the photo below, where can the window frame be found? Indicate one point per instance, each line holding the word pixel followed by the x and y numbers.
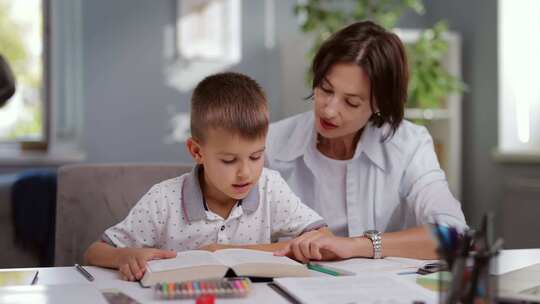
pixel 182 73
pixel 43 143
pixel 516 142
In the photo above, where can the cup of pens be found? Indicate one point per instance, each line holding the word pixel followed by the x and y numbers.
pixel 468 255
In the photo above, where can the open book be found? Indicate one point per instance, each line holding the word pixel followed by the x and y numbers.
pixel 200 264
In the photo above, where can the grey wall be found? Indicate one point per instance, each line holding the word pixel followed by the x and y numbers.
pixel 126 98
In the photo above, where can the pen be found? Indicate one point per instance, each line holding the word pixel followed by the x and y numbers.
pixel 407 272
pixel 284 293
pixel 85 273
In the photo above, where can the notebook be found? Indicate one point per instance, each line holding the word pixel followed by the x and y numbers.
pixel 362 288
pixel 17 277
pixel 199 264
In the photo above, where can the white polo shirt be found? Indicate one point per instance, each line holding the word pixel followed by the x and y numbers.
pixel 388 185
pixel 172 215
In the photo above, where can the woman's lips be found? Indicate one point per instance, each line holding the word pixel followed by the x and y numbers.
pixel 327 125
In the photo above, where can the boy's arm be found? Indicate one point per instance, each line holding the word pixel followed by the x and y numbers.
pixel 102 254
pixel 265 247
pixel 131 262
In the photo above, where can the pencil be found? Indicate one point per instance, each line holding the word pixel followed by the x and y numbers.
pixel 322 269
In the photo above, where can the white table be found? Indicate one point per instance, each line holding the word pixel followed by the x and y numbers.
pixel 261 293
pixel 514 259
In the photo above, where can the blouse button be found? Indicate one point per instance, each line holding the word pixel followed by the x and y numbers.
pixel 222 227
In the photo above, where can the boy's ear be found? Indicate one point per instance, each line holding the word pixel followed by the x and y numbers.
pixel 194 149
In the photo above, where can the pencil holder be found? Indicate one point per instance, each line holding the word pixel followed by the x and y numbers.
pixel 468 256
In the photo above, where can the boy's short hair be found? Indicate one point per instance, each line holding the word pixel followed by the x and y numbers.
pixel 231 101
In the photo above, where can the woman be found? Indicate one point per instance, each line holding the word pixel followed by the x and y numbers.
pixel 373 176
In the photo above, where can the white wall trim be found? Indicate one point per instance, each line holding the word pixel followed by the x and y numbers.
pixel 66 72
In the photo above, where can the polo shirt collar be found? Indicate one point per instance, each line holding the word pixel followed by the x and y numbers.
pixel 193 200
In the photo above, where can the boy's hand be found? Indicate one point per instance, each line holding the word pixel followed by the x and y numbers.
pixel 132 261
pixel 213 247
pixel 315 245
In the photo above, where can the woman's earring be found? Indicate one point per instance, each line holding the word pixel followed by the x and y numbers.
pixel 378 118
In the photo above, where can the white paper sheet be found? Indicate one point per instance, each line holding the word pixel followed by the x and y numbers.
pixel 364 288
pixel 389 264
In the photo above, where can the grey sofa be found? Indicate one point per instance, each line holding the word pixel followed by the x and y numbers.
pixel 92 198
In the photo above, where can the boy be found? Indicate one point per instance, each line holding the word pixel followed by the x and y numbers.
pixel 228 198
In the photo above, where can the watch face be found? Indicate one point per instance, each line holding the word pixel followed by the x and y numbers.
pixel 371 232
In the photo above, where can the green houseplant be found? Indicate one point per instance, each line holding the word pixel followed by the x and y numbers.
pixel 430 81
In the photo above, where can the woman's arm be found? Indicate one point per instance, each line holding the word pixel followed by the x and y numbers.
pixel 410 243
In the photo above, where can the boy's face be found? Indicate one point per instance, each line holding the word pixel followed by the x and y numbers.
pixel 232 164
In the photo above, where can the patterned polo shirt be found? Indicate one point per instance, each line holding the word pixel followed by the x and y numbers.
pixel 172 215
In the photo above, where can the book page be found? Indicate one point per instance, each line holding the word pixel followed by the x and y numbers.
pixel 231 257
pixel 375 288
pixel 191 258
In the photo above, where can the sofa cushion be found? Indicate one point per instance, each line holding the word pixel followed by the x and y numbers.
pixel 92 198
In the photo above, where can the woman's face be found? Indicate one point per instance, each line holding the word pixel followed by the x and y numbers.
pixel 342 104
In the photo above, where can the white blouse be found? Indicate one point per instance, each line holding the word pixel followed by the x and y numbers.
pixel 330 179
pixel 390 184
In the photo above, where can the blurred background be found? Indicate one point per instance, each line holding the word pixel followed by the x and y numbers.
pixel 110 82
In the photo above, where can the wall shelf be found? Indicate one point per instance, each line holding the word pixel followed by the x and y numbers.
pixel 426 114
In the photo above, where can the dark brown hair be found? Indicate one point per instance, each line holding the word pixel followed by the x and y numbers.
pixel 381 55
pixel 231 101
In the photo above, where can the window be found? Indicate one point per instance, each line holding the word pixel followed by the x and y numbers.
pixel 519 63
pixel 207 40
pixel 23 118
pixel 204 31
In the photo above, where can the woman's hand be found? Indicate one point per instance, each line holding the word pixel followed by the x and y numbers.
pixel 132 261
pixel 315 245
